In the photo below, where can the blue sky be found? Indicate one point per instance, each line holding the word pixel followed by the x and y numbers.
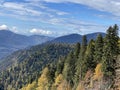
pixel 58 17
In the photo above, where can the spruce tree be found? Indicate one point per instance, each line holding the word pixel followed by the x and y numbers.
pixel 80 60
pixel 115 37
pixel 69 68
pixel 89 63
pixel 98 49
pixel 77 50
pixel 51 73
pixel 110 51
pixel 60 66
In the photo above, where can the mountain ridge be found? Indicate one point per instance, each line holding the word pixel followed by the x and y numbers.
pixel 74 38
pixel 10 41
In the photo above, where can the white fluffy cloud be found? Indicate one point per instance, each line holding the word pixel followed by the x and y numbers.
pixel 40 31
pixel 3 27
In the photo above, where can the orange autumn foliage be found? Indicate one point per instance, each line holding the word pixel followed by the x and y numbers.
pixel 98 72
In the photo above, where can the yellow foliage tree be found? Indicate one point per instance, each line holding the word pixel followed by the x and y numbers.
pixel 58 79
pixel 43 80
pixel 98 72
pixel 29 86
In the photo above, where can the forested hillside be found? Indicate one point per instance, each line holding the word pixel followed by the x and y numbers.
pixel 89 67
pixel 27 64
pixel 84 66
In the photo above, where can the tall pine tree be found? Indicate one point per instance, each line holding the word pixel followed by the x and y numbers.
pixel 98 49
pixel 110 52
pixel 69 68
pixel 60 66
pixel 89 63
pixel 78 75
pixel 77 50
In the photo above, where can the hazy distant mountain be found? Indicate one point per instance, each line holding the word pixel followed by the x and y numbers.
pixel 74 38
pixel 94 35
pixel 38 39
pixel 10 41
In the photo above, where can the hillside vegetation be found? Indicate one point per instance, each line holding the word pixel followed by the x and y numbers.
pixel 89 66
pixel 26 65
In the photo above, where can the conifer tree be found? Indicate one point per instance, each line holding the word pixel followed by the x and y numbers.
pixel 51 75
pixel 89 63
pixel 69 68
pixel 78 75
pixel 60 66
pixel 110 51
pixel 115 39
pixel 77 50
pixel 98 49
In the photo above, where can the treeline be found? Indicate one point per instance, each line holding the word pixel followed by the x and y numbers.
pixel 89 63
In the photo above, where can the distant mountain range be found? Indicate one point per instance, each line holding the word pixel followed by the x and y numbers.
pixel 10 42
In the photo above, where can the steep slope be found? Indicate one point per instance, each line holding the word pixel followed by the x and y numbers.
pixel 27 64
pixel 22 55
pixel 10 42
